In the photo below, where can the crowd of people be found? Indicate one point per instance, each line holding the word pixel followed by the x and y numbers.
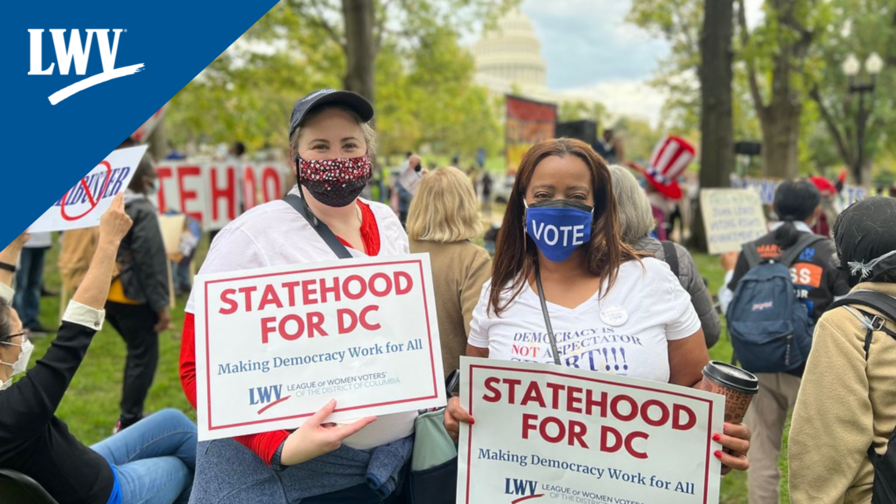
pixel 616 272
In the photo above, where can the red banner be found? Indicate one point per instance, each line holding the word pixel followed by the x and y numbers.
pixel 528 122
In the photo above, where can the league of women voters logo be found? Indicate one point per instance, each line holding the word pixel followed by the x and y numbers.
pixel 79 54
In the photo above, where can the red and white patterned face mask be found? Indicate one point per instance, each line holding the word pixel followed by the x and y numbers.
pixel 335 182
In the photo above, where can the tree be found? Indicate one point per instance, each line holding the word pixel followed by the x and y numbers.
pixel 679 23
pixel 359 27
pixel 360 50
pixel 424 91
pixel 861 27
pixel 779 51
pixel 808 93
pixel 580 110
pixel 716 76
pixel 716 126
pixel 639 138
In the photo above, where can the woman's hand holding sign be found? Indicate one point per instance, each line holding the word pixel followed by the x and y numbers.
pixel 454 415
pixel 9 257
pixel 316 438
pixel 736 444
pixel 115 223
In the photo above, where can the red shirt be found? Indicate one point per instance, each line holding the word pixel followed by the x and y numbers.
pixel 264 444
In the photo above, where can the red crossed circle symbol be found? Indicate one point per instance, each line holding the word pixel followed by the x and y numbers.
pixel 94 201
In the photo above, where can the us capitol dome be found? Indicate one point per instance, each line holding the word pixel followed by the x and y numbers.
pixel 508 59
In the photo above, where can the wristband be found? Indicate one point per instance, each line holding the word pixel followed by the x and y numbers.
pixel 8 267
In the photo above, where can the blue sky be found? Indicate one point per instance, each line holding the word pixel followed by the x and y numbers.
pixel 588 41
pixel 592 51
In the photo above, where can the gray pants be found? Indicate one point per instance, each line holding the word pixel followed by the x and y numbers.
pixel 229 473
pixel 766 418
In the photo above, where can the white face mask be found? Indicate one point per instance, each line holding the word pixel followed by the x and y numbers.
pixel 21 363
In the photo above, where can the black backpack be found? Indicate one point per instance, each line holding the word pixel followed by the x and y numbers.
pixel 670 256
pixel 884 490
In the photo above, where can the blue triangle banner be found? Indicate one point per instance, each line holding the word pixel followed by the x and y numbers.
pixel 80 77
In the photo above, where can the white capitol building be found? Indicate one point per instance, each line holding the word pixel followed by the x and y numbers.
pixel 508 61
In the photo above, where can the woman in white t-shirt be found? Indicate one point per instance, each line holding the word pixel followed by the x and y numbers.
pixel 331 144
pixel 611 310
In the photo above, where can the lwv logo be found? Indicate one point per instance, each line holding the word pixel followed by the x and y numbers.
pixel 79 54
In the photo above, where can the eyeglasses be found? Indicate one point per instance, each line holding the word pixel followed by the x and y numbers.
pixel 25 337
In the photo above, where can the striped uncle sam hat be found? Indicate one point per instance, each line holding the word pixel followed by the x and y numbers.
pixel 670 158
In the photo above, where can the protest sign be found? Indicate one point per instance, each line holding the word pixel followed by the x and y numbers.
pixel 731 217
pixel 410 180
pixel 172 227
pixel 83 205
pixel 216 192
pixel 273 345
pixel 766 190
pixel 527 123
pixel 546 433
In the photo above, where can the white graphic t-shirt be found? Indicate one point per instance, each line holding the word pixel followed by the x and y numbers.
pixel 624 333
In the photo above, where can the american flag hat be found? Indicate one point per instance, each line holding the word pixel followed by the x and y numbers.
pixel 670 158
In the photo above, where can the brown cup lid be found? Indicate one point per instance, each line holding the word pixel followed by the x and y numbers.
pixel 732 377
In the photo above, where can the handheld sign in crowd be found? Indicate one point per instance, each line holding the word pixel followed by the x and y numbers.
pixel 83 205
pixel 546 433
pixel 732 217
pixel 273 345
pixel 410 180
pixel 766 189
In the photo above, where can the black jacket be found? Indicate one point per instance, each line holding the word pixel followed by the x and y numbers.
pixel 34 442
pixel 144 263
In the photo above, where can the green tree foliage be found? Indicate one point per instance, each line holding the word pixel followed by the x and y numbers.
pixel 860 27
pixel 679 23
pixel 424 89
pixel 580 110
pixel 817 72
pixel 639 138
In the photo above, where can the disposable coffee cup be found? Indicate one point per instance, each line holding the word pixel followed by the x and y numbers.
pixel 738 387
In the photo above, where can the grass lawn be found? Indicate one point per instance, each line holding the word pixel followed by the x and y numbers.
pixel 90 406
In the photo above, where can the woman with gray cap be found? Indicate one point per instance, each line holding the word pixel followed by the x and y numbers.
pixel 846 411
pixel 331 144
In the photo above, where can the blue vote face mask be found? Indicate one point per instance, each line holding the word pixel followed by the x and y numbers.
pixel 559 227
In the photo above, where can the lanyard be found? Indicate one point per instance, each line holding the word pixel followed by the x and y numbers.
pixel 547 318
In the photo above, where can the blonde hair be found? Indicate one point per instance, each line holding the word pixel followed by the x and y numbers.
pixel 635 217
pixel 444 209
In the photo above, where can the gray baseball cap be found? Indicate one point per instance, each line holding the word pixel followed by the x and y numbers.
pixel 351 100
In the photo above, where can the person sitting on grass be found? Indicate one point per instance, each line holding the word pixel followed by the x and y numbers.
pixel 152 462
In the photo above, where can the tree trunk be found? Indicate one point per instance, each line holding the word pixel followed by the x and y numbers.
pixel 865 179
pixel 359 47
pixel 780 140
pixel 780 118
pixel 158 142
pixel 716 122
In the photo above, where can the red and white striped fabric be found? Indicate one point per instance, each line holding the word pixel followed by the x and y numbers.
pixel 670 158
